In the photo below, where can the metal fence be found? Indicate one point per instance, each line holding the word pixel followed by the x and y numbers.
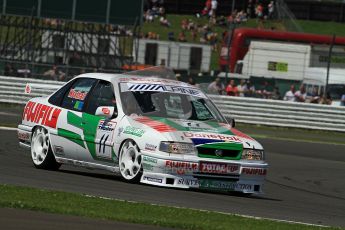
pixel 244 110
pixel 13 89
pixel 282 113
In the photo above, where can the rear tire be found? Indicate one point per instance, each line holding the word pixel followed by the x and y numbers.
pixel 41 153
pixel 130 162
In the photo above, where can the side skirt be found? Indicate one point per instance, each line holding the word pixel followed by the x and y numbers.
pixel 88 165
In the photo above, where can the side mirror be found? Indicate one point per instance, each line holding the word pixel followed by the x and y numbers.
pixel 231 122
pixel 106 111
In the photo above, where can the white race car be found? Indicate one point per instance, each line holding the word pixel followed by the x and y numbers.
pixel 157 131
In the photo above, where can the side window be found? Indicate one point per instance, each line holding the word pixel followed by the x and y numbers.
pixel 56 98
pixel 101 95
pixel 75 97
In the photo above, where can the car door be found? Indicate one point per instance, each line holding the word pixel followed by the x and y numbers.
pixel 99 130
pixel 69 142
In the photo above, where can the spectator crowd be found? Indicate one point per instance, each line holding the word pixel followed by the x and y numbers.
pixel 246 89
pixel 204 33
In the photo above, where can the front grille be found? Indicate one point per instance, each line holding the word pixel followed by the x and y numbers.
pixel 230 154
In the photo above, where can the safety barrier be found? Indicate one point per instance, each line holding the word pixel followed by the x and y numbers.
pixel 16 90
pixel 282 113
pixel 244 110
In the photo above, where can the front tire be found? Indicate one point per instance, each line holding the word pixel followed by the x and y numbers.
pixel 130 162
pixel 41 153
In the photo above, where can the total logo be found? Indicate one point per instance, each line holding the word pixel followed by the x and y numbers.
pixel 41 114
pixel 218 168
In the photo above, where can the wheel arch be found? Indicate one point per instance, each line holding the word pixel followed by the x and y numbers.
pixel 49 162
pixel 50 140
pixel 139 173
pixel 126 139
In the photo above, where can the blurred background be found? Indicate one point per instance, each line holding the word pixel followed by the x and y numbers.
pixel 283 50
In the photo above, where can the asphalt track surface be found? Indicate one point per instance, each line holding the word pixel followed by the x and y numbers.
pixel 305 183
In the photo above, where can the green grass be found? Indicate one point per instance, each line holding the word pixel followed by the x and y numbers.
pixel 326 28
pixel 316 27
pixel 86 206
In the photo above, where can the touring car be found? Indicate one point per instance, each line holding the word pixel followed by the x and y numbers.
pixel 146 129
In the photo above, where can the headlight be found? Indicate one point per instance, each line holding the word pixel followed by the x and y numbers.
pixel 253 155
pixel 177 147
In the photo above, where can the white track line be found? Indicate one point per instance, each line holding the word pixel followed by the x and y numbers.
pixel 8 128
pixel 9 114
pixel 232 214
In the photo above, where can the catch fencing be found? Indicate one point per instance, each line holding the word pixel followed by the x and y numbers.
pixel 245 110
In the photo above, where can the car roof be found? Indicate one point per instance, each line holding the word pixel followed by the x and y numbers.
pixel 118 78
pixel 100 76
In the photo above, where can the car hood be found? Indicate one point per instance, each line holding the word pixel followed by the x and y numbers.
pixel 197 132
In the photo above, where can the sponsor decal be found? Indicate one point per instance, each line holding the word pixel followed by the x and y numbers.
pixel 150 159
pixel 147 167
pixel 78 95
pixel 105 133
pixel 27 88
pixel 79 105
pixel 25 136
pixel 150 147
pixel 102 144
pixel 59 150
pixel 181 167
pixel 189 182
pixel 152 80
pixel 254 171
pixel 212 136
pixel 162 88
pixel 134 131
pixel 218 168
pixel 106 125
pixel 223 185
pixel 41 114
pixel 152 179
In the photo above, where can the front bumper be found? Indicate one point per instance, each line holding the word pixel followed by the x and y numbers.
pixel 204 173
pixel 24 135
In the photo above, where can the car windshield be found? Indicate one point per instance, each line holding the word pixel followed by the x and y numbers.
pixel 180 102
